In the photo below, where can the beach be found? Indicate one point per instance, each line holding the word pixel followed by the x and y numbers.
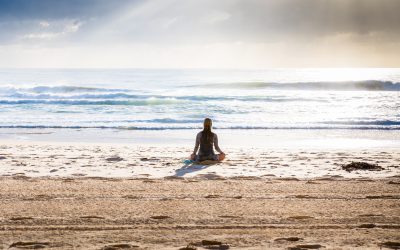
pixel 96 195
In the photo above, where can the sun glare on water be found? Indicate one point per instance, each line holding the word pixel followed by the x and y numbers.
pixel 348 74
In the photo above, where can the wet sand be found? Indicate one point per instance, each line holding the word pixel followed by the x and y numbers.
pixel 168 213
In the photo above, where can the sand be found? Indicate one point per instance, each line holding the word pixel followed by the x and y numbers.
pixel 92 213
pixel 75 196
pixel 34 159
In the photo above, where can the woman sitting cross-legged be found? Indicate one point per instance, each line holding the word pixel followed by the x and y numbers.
pixel 207 140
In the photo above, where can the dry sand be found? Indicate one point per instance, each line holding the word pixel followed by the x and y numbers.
pixel 133 161
pixel 247 213
pixel 72 197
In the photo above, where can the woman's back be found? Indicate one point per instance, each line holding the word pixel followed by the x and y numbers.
pixel 206 143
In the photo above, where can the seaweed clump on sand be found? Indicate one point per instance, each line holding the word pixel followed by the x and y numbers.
pixel 361 166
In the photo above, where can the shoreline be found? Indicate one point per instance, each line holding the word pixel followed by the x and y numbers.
pixel 246 138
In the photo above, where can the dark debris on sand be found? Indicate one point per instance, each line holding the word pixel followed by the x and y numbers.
pixel 361 166
pixel 114 159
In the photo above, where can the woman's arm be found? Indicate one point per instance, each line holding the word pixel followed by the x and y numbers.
pixel 216 144
pixel 197 144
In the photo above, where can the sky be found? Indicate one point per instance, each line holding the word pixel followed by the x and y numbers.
pixel 241 34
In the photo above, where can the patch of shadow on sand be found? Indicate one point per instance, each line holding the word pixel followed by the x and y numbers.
pixel 212 196
pixel 209 244
pixel 21 218
pixel 306 246
pixel 312 182
pixel 133 197
pixel 160 217
pixel 39 197
pixel 382 197
pixel 119 246
pixel 29 245
pixel 390 245
pixel 288 239
pixel 368 225
pixel 92 217
pixel 193 167
pixel 114 159
pixel 300 217
pixel 245 178
pixel 329 177
pixel 301 196
pixel 371 215
pixel 209 176
pixel 229 216
pixel 188 247
pixel 288 179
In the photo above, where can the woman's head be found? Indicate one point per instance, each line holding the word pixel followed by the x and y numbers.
pixel 207 124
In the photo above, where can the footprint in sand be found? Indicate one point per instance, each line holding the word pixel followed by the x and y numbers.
pixel 300 196
pixel 308 246
pixel 208 244
pixel 212 196
pixel 29 245
pixel 369 225
pixel 382 197
pixel 114 159
pixel 21 218
pixel 188 247
pixel 288 239
pixel 229 216
pixel 390 245
pixel 92 217
pixel 370 215
pixel 160 217
pixel 119 246
pixel 300 217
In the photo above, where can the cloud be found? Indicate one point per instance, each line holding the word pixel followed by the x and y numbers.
pixel 58 29
pixel 209 20
pixel 234 33
pixel 44 24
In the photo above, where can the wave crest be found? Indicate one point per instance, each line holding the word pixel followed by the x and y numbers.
pixel 369 85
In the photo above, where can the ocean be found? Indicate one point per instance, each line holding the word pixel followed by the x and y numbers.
pixel 160 99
